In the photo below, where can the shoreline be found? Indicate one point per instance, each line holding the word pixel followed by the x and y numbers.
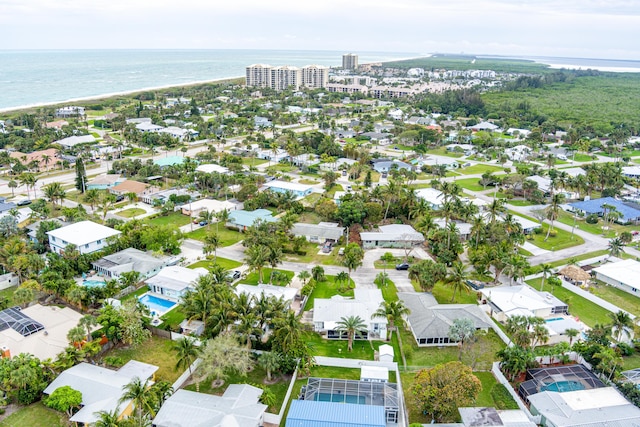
pixel 115 94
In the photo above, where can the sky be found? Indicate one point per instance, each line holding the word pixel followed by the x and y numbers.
pixel 562 28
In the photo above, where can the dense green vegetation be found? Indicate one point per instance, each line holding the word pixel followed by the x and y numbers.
pixel 461 62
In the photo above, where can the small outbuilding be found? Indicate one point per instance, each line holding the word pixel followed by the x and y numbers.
pixel 575 275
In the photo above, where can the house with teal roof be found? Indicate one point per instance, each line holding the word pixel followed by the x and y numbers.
pixel 169 161
pixel 242 219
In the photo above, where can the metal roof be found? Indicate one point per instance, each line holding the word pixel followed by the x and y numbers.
pixel 13 318
pixel 304 413
pixel 629 211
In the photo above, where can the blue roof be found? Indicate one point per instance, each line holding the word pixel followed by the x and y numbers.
pixel 169 161
pixel 308 413
pixel 247 218
pixel 627 210
pixel 7 206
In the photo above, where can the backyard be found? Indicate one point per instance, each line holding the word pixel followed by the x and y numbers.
pixel 35 415
pixel 175 219
pixel 130 213
pixel 253 278
pixel 313 255
pixel 327 289
pixel 227 264
pixel 562 240
pixel 480 169
pixel 616 296
pixel 227 237
pixel 471 184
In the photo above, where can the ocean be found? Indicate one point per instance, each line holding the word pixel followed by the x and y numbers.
pixel 37 77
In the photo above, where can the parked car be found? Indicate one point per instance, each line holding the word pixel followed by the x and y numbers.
pixel 475 284
pixel 326 248
pixel 203 223
pixel 403 266
pixel 24 202
pixel 119 198
pixel 233 275
pixel 341 251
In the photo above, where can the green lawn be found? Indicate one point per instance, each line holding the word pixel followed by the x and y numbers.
pixel 256 376
pixel 616 296
pixel 442 151
pixel 327 289
pixel 175 219
pixel 8 294
pixel 135 293
pixel 252 161
pixel 588 312
pixel 520 203
pixel 173 318
pixel 313 257
pixel 536 268
pixel 253 278
pixel 35 415
pixel 443 295
pixel 227 264
pixel 308 181
pixel 227 237
pixel 331 192
pixel 562 240
pixel 310 217
pixel 470 184
pixel 480 168
pixel 130 213
pixel 581 224
pixel 580 157
pixel 362 349
pixel 155 351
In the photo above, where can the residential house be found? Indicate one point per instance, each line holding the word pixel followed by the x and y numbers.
pixel 6 206
pixel 38 330
pixel 212 168
pixel 163 196
pixel 193 209
pixel 490 417
pixel 174 281
pixel 388 165
pixel 395 114
pixel 242 219
pixel 148 127
pixel 238 406
pixel 261 122
pixel 430 322
pixel 519 153
pixel 101 388
pixel 520 133
pixel 484 126
pixel 629 212
pixel 463 228
pixel 138 120
pixel 8 280
pixel 58 124
pixel 164 162
pixel 262 289
pixel 624 275
pixel 434 197
pixel 434 160
pixel 305 160
pixel 70 111
pixel 72 141
pixel 45 159
pixel 129 186
pixel 105 181
pixel 276 155
pixel 337 197
pixel 503 302
pixel 298 190
pixel 314 413
pixel 327 313
pixel 318 233
pixel 392 236
pixel 86 236
pixel 131 259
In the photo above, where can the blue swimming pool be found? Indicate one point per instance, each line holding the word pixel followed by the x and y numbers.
pixel 340 398
pixel 563 386
pixel 94 283
pixel 156 305
pixel 554 319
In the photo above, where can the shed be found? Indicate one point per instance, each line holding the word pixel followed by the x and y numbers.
pixel 385 353
pixel 575 275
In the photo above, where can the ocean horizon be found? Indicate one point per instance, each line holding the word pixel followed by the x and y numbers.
pixel 30 78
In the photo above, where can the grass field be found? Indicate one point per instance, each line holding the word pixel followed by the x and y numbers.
pixel 175 219
pixel 480 168
pixel 588 312
pixel 8 294
pixel 562 240
pixel 173 318
pixel 227 264
pixel 536 268
pixel 470 184
pixel 227 237
pixel 442 151
pixel 327 289
pixel 313 257
pixel 254 278
pixel 252 161
pixel 362 349
pixel 156 351
pixel 443 295
pixel 130 213
pixel 35 415
pixel 616 296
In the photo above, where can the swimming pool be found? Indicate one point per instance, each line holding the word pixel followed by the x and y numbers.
pixel 554 319
pixel 156 305
pixel 340 398
pixel 563 386
pixel 94 283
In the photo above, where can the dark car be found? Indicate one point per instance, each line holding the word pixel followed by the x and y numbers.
pixel 403 266
pixel 233 275
pixel 203 223
pixel 119 198
pixel 475 284
pixel 24 202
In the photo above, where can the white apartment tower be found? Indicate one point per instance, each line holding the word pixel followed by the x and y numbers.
pixel 349 61
pixel 259 75
pixel 286 77
pixel 315 76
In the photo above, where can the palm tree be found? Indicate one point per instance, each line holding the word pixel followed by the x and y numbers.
pixel 571 333
pixel 75 336
pixel 88 322
pixel 552 211
pixel 138 392
pixel 222 217
pixel 186 353
pixel 12 185
pixel 615 246
pixel 206 216
pixel 304 275
pixel 546 270
pixel 457 279
pixel 211 244
pixel 110 419
pixel 352 325
pixel 394 312
pixel 621 322
pixel 270 361
pixel 92 196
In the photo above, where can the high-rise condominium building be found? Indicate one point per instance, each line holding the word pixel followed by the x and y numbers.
pixel 349 61
pixel 315 76
pixel 259 75
pixel 286 77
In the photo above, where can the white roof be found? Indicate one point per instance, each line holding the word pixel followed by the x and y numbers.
pixel 464 228
pixel 49 342
pixel 83 233
pixel 72 141
pixel 385 349
pixel 524 222
pixel 518 300
pixel 101 388
pixel 210 168
pixel 596 407
pixel 364 303
pixel 631 170
pixel 544 184
pixel 626 272
pixel 431 195
pixel 394 233
pixel 238 406
pixel 574 171
pixel 434 160
pixel 177 278
pixel 291 186
pixel 268 290
pixel 374 373
pixel 210 205
pixel 148 127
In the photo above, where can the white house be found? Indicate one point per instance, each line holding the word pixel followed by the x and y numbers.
pixel 72 141
pixel 263 289
pixel 328 312
pixel 434 197
pixel 623 275
pixel 392 236
pixel 505 301
pixel 87 236
pixel 518 153
pixel 238 406
pixel 298 190
pixel 174 281
pixel 211 168
pixel 210 205
pixel 131 259
pixel 318 233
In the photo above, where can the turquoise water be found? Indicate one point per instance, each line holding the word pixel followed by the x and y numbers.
pixel 94 283
pixel 340 398
pixel 563 386
pixel 156 305
pixel 46 76
pixel 554 319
